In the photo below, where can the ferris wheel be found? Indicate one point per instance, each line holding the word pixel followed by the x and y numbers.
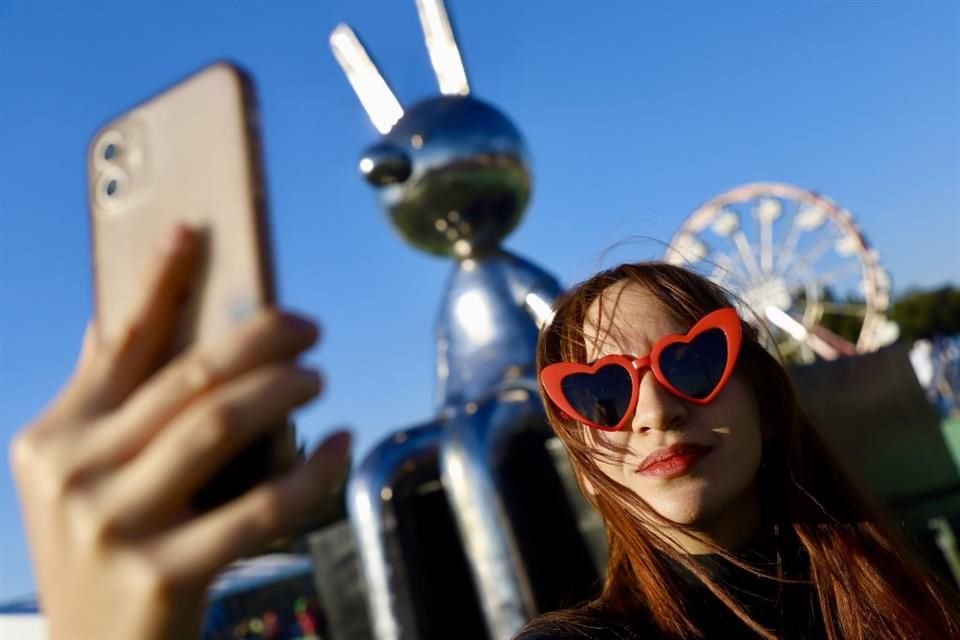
pixel 799 262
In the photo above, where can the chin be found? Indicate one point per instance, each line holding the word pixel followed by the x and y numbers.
pixel 688 506
pixel 685 513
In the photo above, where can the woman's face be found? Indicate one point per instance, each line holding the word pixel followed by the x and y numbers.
pixel 712 486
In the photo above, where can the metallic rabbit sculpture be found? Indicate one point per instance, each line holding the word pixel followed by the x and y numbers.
pixel 452 173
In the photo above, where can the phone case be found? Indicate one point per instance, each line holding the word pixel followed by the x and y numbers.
pixel 188 155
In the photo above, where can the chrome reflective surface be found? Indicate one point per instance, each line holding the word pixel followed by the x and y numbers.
pixel 453 176
pixel 486 338
pixel 472 442
pixel 487 328
pixel 373 513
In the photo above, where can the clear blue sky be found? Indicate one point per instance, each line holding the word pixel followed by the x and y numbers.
pixel 635 112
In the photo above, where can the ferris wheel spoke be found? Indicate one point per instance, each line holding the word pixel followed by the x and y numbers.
pixel 786 253
pixel 830 277
pixel 727 267
pixel 746 254
pixel 727 280
pixel 766 212
pixel 792 237
pixel 815 253
pixel 766 246
pixel 796 287
pixel 721 277
pixel 728 274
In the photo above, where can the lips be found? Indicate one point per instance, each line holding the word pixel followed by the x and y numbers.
pixel 677 457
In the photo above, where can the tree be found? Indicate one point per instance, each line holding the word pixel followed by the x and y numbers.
pixel 924 314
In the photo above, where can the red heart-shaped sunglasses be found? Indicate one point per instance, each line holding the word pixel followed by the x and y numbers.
pixel 694 366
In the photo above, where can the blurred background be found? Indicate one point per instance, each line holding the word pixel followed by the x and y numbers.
pixel 635 114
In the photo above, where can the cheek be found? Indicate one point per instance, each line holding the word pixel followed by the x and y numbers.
pixel 734 420
pixel 608 458
pixel 734 413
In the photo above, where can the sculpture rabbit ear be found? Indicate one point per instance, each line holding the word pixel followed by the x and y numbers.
pixel 442 47
pixel 368 83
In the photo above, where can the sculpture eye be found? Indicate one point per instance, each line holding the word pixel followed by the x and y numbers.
pixel 384 164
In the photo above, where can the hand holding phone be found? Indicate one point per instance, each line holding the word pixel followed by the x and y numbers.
pixel 171 385
pixel 104 472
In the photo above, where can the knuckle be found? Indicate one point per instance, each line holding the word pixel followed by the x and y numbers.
pixel 218 426
pixel 64 479
pixel 154 581
pixel 268 513
pixel 160 585
pixel 269 321
pixel 22 453
pixel 44 464
pixel 112 348
pixel 54 486
pixel 92 528
pixel 277 373
pixel 196 373
pixel 258 328
pixel 104 348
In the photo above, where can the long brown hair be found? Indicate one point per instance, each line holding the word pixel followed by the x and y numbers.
pixel 867 581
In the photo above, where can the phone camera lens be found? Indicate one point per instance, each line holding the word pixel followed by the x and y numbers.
pixel 109 149
pixel 111 187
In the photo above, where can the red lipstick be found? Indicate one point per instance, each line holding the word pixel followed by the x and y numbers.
pixel 672 461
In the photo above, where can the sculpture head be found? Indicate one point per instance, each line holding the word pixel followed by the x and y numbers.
pixel 452 174
pixel 452 171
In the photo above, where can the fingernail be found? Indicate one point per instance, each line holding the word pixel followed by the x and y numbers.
pixel 300 323
pixel 311 376
pixel 340 442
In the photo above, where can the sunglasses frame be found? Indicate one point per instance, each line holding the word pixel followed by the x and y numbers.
pixel 727 320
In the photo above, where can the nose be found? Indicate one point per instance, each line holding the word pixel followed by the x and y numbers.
pixel 384 164
pixel 657 408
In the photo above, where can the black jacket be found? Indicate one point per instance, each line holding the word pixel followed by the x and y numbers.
pixel 789 610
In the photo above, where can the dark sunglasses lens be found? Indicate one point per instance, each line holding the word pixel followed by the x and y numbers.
pixel 601 397
pixel 695 368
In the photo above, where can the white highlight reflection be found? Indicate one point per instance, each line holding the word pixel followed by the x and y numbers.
pixel 375 95
pixel 541 309
pixel 799 333
pixel 444 54
pixel 474 315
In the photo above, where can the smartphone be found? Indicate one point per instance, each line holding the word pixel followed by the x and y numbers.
pixel 189 155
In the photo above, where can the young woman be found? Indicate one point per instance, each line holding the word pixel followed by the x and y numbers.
pixel 726 515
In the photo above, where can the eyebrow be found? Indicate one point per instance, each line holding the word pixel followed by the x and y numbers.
pixel 627 354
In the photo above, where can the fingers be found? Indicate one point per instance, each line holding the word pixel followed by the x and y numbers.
pixel 70 394
pixel 208 543
pixel 156 484
pixel 116 364
pixel 267 338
